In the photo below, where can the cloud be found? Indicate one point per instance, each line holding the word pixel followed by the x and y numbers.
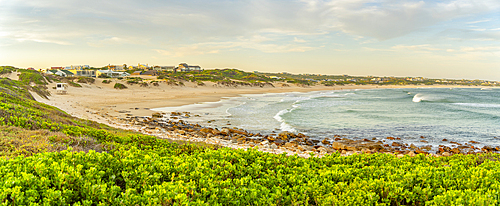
pixel 386 19
pixel 256 43
pixel 462 35
pixel 299 40
pixel 377 49
pixel 425 47
pixel 415 48
pixel 114 40
pixel 479 21
pixel 201 27
pixel 481 49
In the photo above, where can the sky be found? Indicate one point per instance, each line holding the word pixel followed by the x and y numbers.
pixel 436 39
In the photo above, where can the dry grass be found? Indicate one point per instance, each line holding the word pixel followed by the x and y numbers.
pixel 16 141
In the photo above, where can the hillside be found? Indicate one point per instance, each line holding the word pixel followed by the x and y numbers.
pixel 52 158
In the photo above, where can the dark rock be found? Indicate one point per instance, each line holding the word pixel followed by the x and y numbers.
pixel 285 135
pixel 325 141
pixel 456 151
pixel 396 144
pixel 338 146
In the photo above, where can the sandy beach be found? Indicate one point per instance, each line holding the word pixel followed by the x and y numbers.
pixel 104 104
pixel 85 101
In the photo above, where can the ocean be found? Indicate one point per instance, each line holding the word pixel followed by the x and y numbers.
pixel 455 114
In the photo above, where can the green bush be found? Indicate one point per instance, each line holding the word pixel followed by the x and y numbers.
pixel 6 69
pixel 106 81
pixel 119 86
pixel 88 80
pixel 30 76
pixel 74 84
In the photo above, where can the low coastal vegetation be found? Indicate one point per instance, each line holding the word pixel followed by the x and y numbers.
pixel 49 157
pixel 119 86
pixel 233 77
pixel 215 75
pixel 331 80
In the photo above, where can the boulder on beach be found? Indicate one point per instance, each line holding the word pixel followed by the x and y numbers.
pixel 285 135
pixel 338 146
pixel 157 115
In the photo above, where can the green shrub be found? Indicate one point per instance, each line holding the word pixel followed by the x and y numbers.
pixel 6 69
pixel 74 84
pixel 88 80
pixel 106 81
pixel 119 86
pixel 155 83
pixel 30 76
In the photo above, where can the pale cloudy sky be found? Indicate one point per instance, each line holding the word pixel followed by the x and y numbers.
pixel 445 38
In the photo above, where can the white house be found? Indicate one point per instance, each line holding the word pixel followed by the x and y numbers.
pixel 186 68
pixel 62 73
pixel 112 74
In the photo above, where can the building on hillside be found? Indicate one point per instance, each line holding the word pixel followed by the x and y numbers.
pixel 60 72
pixel 77 67
pixel 163 68
pixel 136 73
pixel 51 71
pixel 42 70
pixel 67 73
pixel 142 66
pixel 150 73
pixel 115 67
pixel 55 68
pixel 83 72
pixel 112 74
pixel 275 77
pixel 186 68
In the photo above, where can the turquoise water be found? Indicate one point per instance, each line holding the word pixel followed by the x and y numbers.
pixel 459 114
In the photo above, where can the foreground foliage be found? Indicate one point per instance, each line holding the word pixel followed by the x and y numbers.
pixel 49 158
pixel 129 176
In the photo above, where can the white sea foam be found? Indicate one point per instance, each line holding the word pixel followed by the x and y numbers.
pixel 229 113
pixel 278 115
pixel 324 113
pixel 417 98
pixel 284 126
pixel 426 97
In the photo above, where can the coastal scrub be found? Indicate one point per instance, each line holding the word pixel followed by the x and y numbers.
pixel 52 158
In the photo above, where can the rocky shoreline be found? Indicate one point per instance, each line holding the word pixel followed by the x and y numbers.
pixel 172 126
